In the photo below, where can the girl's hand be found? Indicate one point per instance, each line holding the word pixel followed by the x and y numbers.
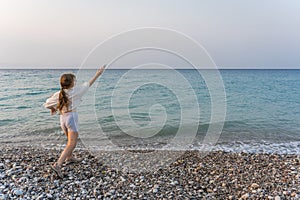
pixel 101 70
pixel 98 73
pixel 52 111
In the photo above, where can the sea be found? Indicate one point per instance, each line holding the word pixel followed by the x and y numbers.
pixel 254 111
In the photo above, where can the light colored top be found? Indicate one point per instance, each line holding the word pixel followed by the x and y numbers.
pixel 74 94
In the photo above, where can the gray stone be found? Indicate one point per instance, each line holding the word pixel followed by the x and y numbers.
pixel 122 179
pixel 23 179
pixel 18 192
pixel 2 197
pixel 174 183
pixel 277 198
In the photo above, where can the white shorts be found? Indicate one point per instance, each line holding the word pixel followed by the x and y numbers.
pixel 69 122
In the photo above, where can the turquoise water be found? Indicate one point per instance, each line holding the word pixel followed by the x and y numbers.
pixel 142 109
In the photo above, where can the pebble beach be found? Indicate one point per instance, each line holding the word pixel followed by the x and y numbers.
pixel 25 174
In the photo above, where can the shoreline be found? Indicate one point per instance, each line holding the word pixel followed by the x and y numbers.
pixel 25 173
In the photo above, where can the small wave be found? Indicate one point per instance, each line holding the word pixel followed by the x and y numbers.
pixel 256 147
pixel 44 132
pixel 35 93
pixel 106 119
pixel 4 122
pixel 22 107
pixel 11 97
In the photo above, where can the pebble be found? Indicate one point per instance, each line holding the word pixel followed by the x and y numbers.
pixel 245 196
pixel 2 197
pixel 83 191
pixel 254 185
pixel 277 198
pixel 293 194
pixel 23 179
pixel 2 176
pixel 156 186
pixel 18 192
pixel 122 179
pixel 218 175
pixel 174 183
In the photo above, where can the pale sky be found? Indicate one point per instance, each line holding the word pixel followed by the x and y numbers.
pixel 236 34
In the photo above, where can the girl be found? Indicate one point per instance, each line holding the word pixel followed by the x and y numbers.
pixel 66 101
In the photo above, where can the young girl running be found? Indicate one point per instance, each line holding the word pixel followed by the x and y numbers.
pixel 66 101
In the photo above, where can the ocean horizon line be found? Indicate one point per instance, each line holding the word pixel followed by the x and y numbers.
pixel 150 68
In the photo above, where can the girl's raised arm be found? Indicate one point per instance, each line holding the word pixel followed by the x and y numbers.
pixel 98 73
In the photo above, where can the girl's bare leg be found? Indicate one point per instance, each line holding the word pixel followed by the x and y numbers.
pixel 69 156
pixel 67 153
pixel 66 133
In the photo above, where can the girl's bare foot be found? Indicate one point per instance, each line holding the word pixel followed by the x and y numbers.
pixel 73 160
pixel 56 168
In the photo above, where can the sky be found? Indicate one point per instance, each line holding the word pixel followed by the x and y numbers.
pixel 236 34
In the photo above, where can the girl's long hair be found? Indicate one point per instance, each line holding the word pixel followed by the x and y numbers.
pixel 66 81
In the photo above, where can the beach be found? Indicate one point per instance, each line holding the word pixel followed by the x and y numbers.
pixel 25 174
pixel 154 99
pixel 141 143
